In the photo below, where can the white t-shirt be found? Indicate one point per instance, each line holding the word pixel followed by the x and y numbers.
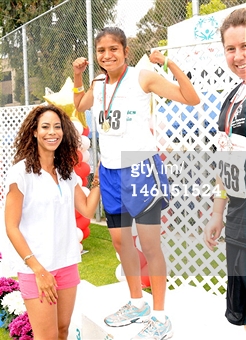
pixel 48 218
pixel 130 115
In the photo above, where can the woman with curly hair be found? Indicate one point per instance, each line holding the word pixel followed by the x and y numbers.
pixel 42 194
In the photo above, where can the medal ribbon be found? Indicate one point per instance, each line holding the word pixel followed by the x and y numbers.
pixel 230 114
pixel 106 112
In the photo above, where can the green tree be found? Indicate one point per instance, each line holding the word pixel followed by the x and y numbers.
pixel 15 13
pixel 212 6
pixel 208 8
pixel 54 40
pixel 152 28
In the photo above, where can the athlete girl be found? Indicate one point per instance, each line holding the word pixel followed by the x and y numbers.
pixel 120 98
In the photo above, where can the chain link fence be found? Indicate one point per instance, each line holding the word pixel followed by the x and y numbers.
pixel 39 55
pixel 55 39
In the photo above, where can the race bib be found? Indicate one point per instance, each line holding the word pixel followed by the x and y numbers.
pixel 230 159
pixel 114 125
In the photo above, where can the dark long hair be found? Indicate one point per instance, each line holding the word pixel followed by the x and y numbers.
pixel 26 145
pixel 118 35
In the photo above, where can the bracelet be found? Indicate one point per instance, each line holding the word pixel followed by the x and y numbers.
pixel 95 183
pixel 78 89
pixel 165 68
pixel 27 257
pixel 222 194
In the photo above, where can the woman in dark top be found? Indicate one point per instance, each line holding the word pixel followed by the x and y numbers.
pixel 231 150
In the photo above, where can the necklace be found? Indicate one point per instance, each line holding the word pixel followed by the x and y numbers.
pixel 230 114
pixel 106 125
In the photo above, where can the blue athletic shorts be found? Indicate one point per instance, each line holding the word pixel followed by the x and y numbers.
pixel 134 189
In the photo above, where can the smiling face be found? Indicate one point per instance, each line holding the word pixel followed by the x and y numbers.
pixel 235 50
pixel 49 132
pixel 110 53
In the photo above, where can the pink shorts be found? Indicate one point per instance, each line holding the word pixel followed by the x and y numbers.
pixel 66 277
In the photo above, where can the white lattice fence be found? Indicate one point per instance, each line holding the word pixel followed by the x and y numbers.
pixel 10 121
pixel 192 188
pixel 185 137
pixel 188 134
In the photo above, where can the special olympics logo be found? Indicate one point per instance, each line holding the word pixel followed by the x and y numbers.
pixel 206 29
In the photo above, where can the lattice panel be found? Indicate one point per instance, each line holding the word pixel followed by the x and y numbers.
pixel 10 121
pixel 185 138
pixel 188 134
pixel 192 180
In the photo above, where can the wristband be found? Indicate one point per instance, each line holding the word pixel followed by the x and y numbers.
pixel 78 89
pixel 165 64
pixel 27 257
pixel 222 194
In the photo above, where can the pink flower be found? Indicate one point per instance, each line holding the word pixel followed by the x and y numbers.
pixel 20 328
pixel 7 285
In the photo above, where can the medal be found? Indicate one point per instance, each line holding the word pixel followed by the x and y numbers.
pixel 230 113
pixel 106 126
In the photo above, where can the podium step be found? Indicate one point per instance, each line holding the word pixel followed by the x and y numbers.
pixel 195 314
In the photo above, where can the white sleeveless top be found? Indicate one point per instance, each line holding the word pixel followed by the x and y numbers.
pixel 130 114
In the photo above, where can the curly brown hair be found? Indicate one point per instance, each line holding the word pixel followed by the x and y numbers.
pixel 26 145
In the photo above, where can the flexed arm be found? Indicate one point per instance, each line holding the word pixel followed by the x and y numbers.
pixel 184 92
pixel 82 101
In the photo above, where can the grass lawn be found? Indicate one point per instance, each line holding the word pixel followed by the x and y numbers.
pixel 98 265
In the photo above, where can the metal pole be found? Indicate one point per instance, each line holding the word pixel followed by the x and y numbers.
pixel 91 77
pixel 90 39
pixel 195 7
pixel 25 66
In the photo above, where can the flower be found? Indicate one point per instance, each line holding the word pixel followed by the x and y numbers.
pixel 20 328
pixel 15 318
pixel 7 285
pixel 1 256
pixel 13 303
